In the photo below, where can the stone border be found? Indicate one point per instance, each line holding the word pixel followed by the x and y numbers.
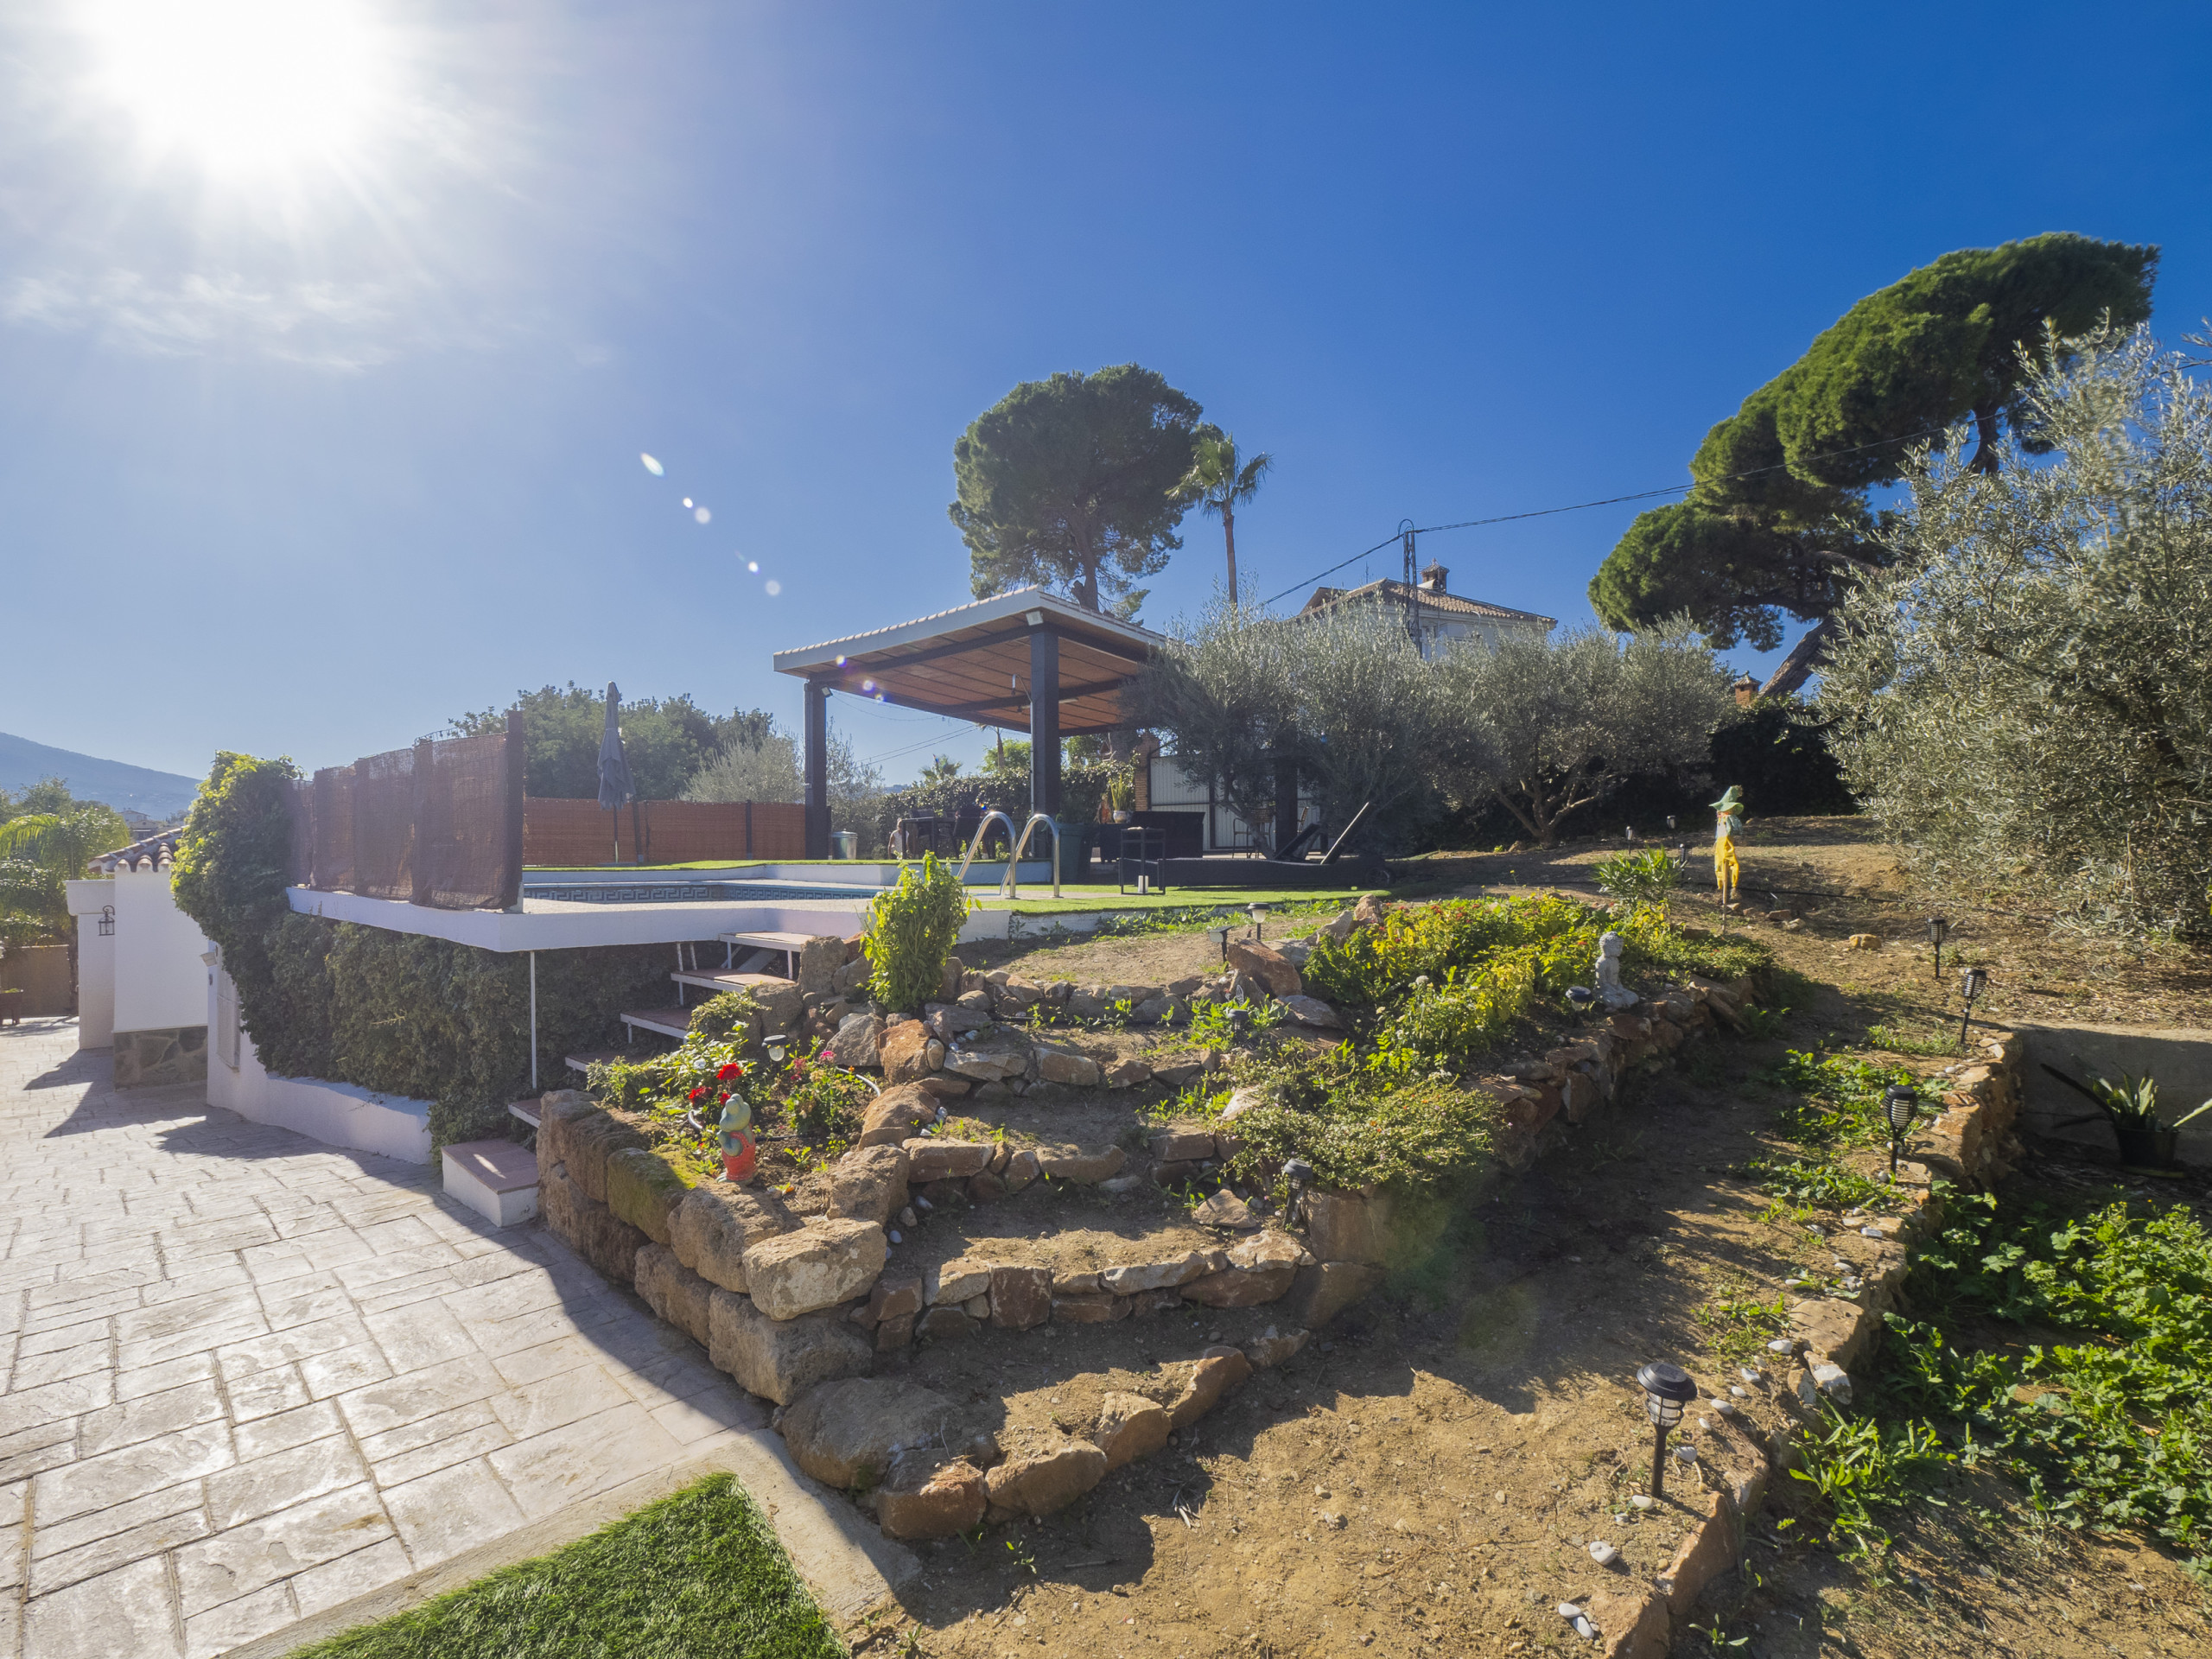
pixel 1974 1146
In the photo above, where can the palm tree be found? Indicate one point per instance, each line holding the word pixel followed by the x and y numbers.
pixel 942 768
pixel 1218 484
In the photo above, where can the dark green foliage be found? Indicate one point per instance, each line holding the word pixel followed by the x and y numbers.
pixel 1328 1110
pixel 234 861
pixel 1938 346
pixel 666 740
pixel 294 1031
pixel 730 1016
pixel 699 1575
pixel 1074 483
pixel 1780 758
pixel 46 837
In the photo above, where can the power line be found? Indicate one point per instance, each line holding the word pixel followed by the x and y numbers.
pixel 1608 501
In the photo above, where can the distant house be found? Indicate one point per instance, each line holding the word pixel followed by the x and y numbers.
pixel 1446 618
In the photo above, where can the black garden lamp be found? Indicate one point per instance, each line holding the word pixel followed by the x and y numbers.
pixel 777 1045
pixel 1667 1390
pixel 1259 915
pixel 1581 998
pixel 1900 1104
pixel 1972 983
pixel 1937 927
pixel 1670 824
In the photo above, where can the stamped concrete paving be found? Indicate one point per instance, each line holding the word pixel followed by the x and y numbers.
pixel 246 1379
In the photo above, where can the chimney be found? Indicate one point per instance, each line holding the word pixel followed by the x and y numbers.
pixel 1432 580
pixel 1745 689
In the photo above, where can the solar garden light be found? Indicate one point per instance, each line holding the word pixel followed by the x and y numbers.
pixel 1220 936
pixel 1937 927
pixel 1670 824
pixel 1298 1175
pixel 1971 985
pixel 1667 1390
pixel 1580 998
pixel 1259 914
pixel 1900 1104
pixel 776 1044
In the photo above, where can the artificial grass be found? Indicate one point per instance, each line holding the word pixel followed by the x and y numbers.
pixel 698 1575
pixel 1102 898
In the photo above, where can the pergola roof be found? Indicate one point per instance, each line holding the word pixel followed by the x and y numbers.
pixel 972 661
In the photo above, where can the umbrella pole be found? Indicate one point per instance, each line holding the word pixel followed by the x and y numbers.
pixel 637 836
pixel 615 820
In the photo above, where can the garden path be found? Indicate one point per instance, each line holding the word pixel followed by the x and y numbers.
pixel 252 1387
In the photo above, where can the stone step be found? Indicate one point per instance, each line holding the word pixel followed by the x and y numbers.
pixel 496 1178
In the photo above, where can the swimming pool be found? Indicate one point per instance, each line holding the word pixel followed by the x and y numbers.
pixel 691 892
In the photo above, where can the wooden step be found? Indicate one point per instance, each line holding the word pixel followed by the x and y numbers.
pixel 583 1063
pixel 662 1022
pixel 728 981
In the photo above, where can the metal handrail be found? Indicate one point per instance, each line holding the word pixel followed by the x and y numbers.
pixel 1009 888
pixel 976 844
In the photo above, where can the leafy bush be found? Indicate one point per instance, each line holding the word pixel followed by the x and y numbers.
pixel 912 929
pixel 234 862
pixel 1842 1097
pixel 1418 1137
pixel 1429 940
pixel 1645 878
pixel 1448 1026
pixel 1858 1467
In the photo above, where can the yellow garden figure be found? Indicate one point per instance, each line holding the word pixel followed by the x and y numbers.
pixel 1727 874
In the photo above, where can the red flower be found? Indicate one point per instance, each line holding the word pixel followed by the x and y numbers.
pixel 722 1099
pixel 727 1072
pixel 696 1094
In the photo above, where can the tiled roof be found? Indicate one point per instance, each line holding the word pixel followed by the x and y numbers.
pixel 1445 604
pixel 155 851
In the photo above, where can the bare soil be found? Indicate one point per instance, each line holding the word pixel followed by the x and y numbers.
pixel 1426 1475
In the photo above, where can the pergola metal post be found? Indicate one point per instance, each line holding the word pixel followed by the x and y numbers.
pixel 1286 802
pixel 817 769
pixel 1044 721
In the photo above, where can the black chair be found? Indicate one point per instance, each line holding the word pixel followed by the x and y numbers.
pixel 1144 849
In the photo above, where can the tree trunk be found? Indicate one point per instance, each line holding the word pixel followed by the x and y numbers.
pixel 1086 593
pixel 1985 449
pixel 1798 667
pixel 1228 534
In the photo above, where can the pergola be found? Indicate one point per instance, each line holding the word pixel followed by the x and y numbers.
pixel 1028 661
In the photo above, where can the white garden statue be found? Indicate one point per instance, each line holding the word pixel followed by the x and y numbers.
pixel 1610 991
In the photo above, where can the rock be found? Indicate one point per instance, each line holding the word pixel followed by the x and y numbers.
pixel 868 1184
pixel 895 1296
pixel 896 1113
pixel 1021 1169
pixel 995 1092
pixel 1864 942
pixel 1579 1094
pixel 714 1223
pixel 989 1060
pixel 819 1266
pixel 819 959
pixel 977 1308
pixel 1219 1371
pixel 1833 1382
pixel 925 1498
pixel 983 998
pixel 588 1141
pixel 1368 912
pixel 1176 1073
pixel 858 1039
pixel 894 1334
pixel 944 1323
pixel 1093 1307
pixel 847 1433
pixel 949 1021
pixel 1271 1348
pixel 557 1110
pixel 899 1052
pixel 1266 964
pixel 1261 1270
pixel 1311 1012
pixel 1084 1167
pixel 1040 1481
pixel 1242 1101
pixel 604 1239
pixel 950 986
pixel 674 1293
pixel 1226 1211
pixel 1021 1298
pixel 1145 1303
pixel 1065 1065
pixel 850 980
pixel 1018 995
pixel 1340 1227
pixel 1603 1552
pixel 941 1087
pixel 1088 1003
pixel 781 1360
pixel 1181 1144
pixel 1342 925
pixel 1123 1074
pixel 929 1159
pixel 1121 1184
pixel 1129 1426
pixel 561 1202
pixel 985 1187
pixel 1154 1010
pixel 955 1282
pixel 1324 1290
pixel 1153 1275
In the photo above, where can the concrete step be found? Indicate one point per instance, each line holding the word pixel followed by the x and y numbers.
pixel 496 1178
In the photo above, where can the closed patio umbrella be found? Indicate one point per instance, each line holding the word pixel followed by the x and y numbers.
pixel 614 782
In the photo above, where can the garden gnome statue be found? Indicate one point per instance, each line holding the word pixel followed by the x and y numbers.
pixel 1727 874
pixel 1610 991
pixel 737 1139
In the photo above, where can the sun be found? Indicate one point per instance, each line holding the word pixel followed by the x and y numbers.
pixel 245 85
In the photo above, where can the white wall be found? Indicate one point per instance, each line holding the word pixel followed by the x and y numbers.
pixel 336 1114
pixel 160 982
pixel 95 962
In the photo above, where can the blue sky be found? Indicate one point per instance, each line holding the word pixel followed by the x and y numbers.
pixel 305 447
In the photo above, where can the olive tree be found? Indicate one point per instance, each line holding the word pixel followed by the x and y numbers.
pixel 1224 688
pixel 2021 698
pixel 1548 724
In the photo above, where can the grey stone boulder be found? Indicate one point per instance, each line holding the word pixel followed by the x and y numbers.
pixel 1311 1012
pixel 956 1281
pixel 781 1359
pixel 710 1230
pixel 926 1497
pixel 868 1184
pixel 895 1114
pixel 823 1264
pixel 859 1038
pixel 845 1433
pixel 1261 1270
pixel 989 1059
pixel 1065 1065
pixel 1085 1167
pixel 1128 1280
pixel 819 961
pixel 929 1159
pixel 673 1291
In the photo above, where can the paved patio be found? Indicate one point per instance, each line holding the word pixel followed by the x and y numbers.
pixel 246 1379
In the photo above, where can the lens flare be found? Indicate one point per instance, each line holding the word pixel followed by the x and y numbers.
pixel 752 566
pixel 652 466
pixel 775 587
pixel 701 515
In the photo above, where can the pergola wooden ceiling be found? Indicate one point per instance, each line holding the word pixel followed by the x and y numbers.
pixel 1028 661
pixel 975 663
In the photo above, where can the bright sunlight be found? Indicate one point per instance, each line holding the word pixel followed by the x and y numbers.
pixel 245 85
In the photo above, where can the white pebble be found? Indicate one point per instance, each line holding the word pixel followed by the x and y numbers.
pixel 1739 1390
pixel 1749 1373
pixel 1603 1552
pixel 1685 1453
pixel 1870 1232
pixel 1643 1501
pixel 1568 1610
pixel 1725 1408
pixel 1782 1345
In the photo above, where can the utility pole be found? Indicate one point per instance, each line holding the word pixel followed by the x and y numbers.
pixel 1407 533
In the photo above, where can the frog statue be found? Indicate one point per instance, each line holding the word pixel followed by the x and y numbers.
pixel 1727 874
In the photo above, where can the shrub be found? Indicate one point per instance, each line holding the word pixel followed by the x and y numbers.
pixel 1645 878
pixel 1415 1137
pixel 234 862
pixel 912 929
pixel 1378 962
pixel 1449 1027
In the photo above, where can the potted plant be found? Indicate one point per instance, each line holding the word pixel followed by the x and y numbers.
pixel 1121 793
pixel 2131 1106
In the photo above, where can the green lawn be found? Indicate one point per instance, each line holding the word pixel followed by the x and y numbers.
pixel 699 1575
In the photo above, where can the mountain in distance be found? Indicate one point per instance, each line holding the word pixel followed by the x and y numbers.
pixel 158 795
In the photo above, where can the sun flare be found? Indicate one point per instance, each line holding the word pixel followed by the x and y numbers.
pixel 245 85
